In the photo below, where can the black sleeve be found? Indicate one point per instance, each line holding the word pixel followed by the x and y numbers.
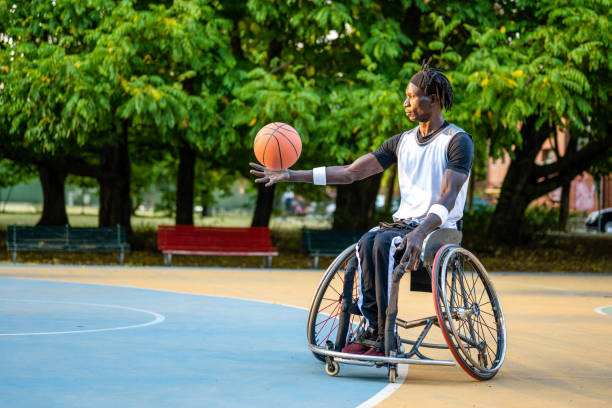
pixel 387 152
pixel 460 153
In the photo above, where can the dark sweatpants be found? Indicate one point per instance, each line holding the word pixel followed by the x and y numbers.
pixel 374 250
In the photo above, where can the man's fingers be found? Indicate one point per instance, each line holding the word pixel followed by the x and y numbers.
pixel 414 259
pixel 256 166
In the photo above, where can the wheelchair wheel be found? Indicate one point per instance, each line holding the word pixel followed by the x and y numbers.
pixel 469 312
pixel 329 319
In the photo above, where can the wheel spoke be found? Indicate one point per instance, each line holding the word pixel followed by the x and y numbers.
pixel 332 303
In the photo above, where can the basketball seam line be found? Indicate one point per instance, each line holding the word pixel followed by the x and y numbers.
pixel 291 143
pixel 280 154
pixel 263 157
pixel 291 130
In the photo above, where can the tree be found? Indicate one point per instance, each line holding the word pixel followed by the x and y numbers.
pixel 525 79
pixel 40 44
pixel 85 98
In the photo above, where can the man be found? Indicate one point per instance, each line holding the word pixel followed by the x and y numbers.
pixel 434 161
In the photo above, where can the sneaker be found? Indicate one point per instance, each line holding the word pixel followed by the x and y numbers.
pixel 354 348
pixel 374 352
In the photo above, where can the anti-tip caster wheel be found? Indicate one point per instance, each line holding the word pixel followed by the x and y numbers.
pixel 332 368
pixel 392 374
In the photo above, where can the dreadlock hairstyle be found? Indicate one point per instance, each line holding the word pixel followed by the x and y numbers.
pixel 433 81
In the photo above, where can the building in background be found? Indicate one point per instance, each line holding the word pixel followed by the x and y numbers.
pixel 586 193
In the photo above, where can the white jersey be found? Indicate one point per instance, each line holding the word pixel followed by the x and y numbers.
pixel 421 169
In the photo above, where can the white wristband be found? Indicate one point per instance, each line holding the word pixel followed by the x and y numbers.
pixel 318 176
pixel 440 210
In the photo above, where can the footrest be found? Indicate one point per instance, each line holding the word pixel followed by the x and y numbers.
pixel 360 359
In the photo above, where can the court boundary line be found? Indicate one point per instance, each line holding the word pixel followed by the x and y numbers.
pixel 600 310
pixel 158 318
pixel 377 398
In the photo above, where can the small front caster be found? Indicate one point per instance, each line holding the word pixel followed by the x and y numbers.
pixel 331 367
pixel 392 374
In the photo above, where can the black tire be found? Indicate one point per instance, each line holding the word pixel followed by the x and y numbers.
pixel 469 312
pixel 325 316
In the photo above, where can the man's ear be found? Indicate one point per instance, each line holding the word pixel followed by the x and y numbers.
pixel 434 99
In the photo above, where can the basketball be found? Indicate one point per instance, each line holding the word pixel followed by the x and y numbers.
pixel 277 146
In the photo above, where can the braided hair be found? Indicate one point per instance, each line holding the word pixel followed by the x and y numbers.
pixel 433 81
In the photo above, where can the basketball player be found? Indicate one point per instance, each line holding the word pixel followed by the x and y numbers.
pixel 434 161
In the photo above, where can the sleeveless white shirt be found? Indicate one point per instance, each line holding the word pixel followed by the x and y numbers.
pixel 420 168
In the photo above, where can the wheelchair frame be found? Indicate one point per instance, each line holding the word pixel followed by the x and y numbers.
pixel 478 345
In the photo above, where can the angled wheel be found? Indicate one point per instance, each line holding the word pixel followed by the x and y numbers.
pixel 469 312
pixel 330 317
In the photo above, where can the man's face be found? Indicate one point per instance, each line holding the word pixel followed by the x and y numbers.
pixel 418 107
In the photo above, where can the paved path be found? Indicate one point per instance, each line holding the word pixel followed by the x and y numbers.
pixel 559 335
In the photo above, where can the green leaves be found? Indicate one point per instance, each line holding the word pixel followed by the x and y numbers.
pixel 549 69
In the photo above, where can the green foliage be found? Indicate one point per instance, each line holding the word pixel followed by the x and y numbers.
pixel 554 64
pixel 12 173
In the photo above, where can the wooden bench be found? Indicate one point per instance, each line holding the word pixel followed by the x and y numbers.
pixel 327 242
pixel 190 240
pixel 67 239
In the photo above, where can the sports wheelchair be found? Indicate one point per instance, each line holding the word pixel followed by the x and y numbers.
pixel 468 312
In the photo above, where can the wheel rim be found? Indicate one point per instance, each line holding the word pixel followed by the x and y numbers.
pixel 474 316
pixel 327 306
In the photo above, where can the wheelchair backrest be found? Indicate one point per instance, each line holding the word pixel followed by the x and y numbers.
pixel 435 240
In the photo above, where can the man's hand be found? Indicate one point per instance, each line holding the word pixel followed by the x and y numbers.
pixel 267 175
pixel 412 242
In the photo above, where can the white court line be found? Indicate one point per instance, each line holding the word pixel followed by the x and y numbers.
pixel 402 372
pixel 601 308
pixel 158 318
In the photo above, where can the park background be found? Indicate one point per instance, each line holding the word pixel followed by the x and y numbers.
pixel 143 113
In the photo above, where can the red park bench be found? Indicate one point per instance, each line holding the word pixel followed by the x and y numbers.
pixel 191 240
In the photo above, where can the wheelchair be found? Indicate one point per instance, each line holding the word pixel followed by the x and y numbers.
pixel 467 310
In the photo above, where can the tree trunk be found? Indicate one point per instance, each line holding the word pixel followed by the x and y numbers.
pixel 115 199
pixel 355 204
pixel 572 148
pixel 390 189
pixel 53 180
pixel 507 220
pixel 184 186
pixel 471 192
pixel 518 187
pixel 564 206
pixel 264 206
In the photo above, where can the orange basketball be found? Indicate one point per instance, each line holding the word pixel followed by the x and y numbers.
pixel 277 146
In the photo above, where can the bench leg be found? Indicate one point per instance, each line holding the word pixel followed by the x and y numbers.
pixel 121 256
pixel 266 261
pixel 316 261
pixel 14 256
pixel 168 259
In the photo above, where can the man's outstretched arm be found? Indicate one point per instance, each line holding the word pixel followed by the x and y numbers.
pixel 365 166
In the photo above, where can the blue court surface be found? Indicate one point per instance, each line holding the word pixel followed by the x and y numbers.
pixel 83 345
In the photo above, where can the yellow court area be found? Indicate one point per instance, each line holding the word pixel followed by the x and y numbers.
pixel 559 335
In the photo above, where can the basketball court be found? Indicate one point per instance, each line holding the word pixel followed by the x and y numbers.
pixel 103 336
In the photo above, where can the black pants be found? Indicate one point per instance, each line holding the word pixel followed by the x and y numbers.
pixel 377 258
